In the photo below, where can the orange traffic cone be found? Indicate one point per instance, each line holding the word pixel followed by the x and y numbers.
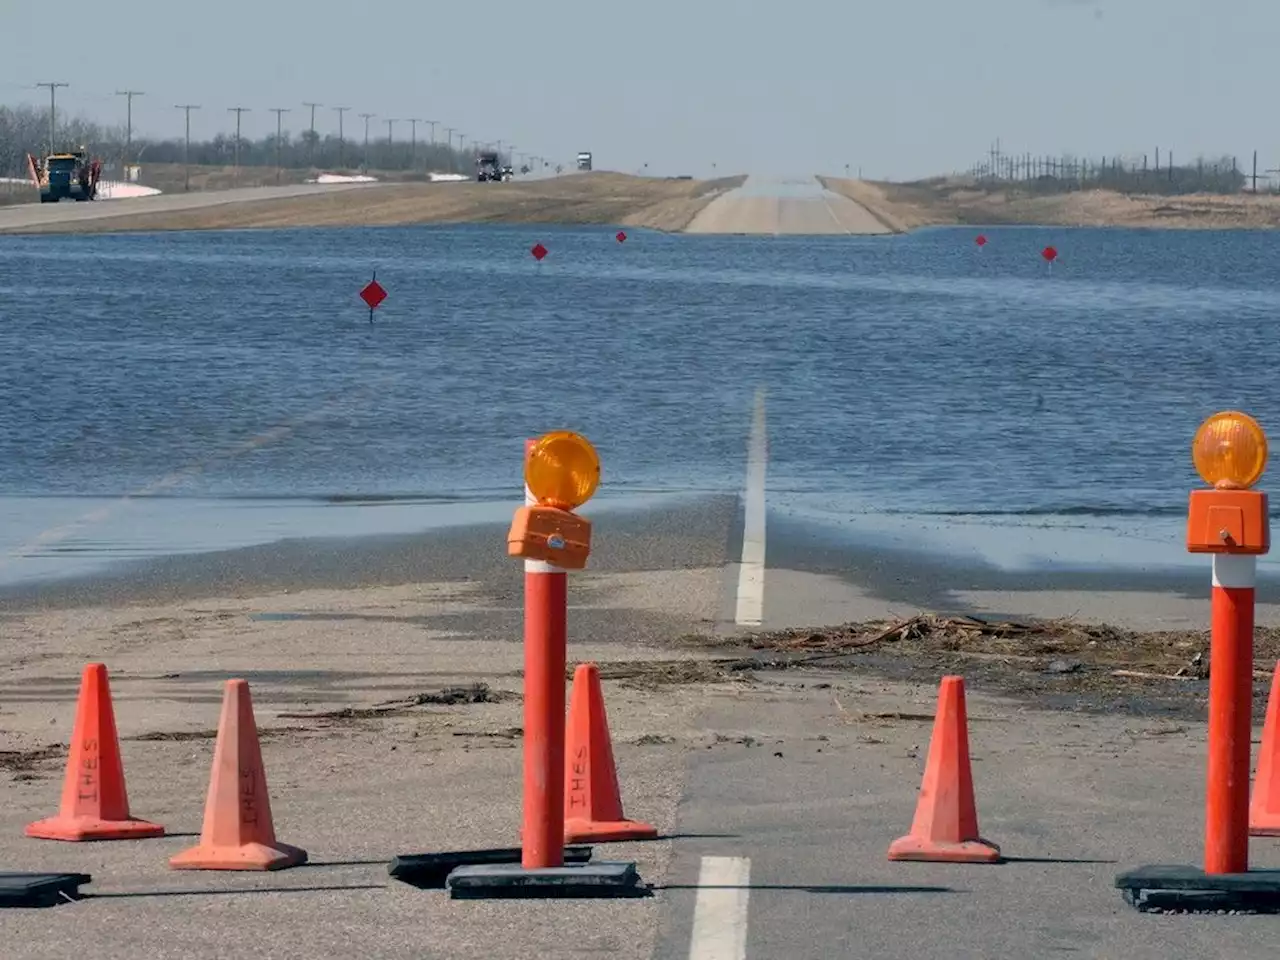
pixel 592 804
pixel 945 829
pixel 1264 805
pixel 238 833
pixel 95 804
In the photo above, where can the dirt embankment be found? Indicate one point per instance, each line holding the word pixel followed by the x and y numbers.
pixel 592 198
pixel 950 202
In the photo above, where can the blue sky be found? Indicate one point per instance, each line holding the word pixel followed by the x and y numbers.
pixel 900 88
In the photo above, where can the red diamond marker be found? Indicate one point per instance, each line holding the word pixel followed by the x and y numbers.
pixel 621 236
pixel 981 241
pixel 373 294
pixel 1049 253
pixel 538 251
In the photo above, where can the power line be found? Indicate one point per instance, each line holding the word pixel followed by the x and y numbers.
pixel 311 154
pixel 237 111
pixel 279 112
pixel 128 136
pixel 186 147
pixel 342 162
pixel 53 110
pixel 367 117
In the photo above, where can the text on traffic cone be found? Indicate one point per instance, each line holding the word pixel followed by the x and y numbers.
pixel 592 802
pixel 238 831
pixel 95 804
pixel 945 828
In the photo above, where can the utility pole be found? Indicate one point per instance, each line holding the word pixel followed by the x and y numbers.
pixel 341 154
pixel 279 112
pixel 186 146
pixel 128 134
pixel 390 144
pixel 413 142
pixel 53 110
pixel 237 111
pixel 367 117
pixel 311 152
pixel 433 130
pixel 449 132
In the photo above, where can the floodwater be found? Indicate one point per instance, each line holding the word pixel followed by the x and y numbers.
pixel 918 388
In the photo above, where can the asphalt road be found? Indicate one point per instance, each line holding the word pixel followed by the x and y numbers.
pixel 779 798
pixel 25 216
pixel 785 207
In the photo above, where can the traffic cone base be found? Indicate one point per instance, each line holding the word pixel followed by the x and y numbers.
pixel 615 831
pixel 250 856
pixel 945 828
pixel 86 828
pixel 1264 802
pixel 238 832
pixel 95 803
pixel 966 851
pixel 592 801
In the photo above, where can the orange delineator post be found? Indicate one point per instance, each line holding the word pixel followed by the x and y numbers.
pixel 546 603
pixel 945 828
pixel 1264 804
pixel 592 801
pixel 1226 848
pixel 95 803
pixel 1232 525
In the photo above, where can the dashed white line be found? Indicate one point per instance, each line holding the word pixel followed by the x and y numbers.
pixel 720 910
pixel 750 605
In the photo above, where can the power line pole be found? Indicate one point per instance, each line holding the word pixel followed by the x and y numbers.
pixel 128 134
pixel 237 111
pixel 53 110
pixel 186 147
pixel 390 143
pixel 342 160
pixel 413 141
pixel 279 112
pixel 311 152
pixel 449 133
pixel 433 130
pixel 367 117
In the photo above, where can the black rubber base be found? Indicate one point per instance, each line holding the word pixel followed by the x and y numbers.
pixel 1190 890
pixel 511 881
pixel 40 889
pixel 428 871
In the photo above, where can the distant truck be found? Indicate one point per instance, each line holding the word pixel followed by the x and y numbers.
pixel 584 160
pixel 65 175
pixel 487 167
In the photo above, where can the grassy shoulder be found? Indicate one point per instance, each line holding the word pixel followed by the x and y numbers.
pixel 591 198
pixel 955 201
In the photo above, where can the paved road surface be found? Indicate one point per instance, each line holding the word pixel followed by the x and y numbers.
pixel 797 207
pixel 23 216
pixel 782 796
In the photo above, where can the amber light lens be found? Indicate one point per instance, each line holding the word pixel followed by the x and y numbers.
pixel 1230 451
pixel 562 470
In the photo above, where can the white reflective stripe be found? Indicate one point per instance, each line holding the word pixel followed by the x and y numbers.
pixel 1235 570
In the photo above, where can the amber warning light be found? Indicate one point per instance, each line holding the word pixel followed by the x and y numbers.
pixel 562 472
pixel 1230 454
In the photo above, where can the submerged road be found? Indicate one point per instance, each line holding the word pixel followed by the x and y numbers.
pixel 28 215
pixel 780 207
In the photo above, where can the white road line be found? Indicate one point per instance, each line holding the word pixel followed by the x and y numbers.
pixel 750 606
pixel 720 911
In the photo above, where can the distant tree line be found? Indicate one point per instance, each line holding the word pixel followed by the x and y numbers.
pixel 25 130
pixel 1050 175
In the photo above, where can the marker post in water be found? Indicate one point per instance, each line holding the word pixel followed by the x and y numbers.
pixel 1229 521
pixel 561 472
pixel 373 294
